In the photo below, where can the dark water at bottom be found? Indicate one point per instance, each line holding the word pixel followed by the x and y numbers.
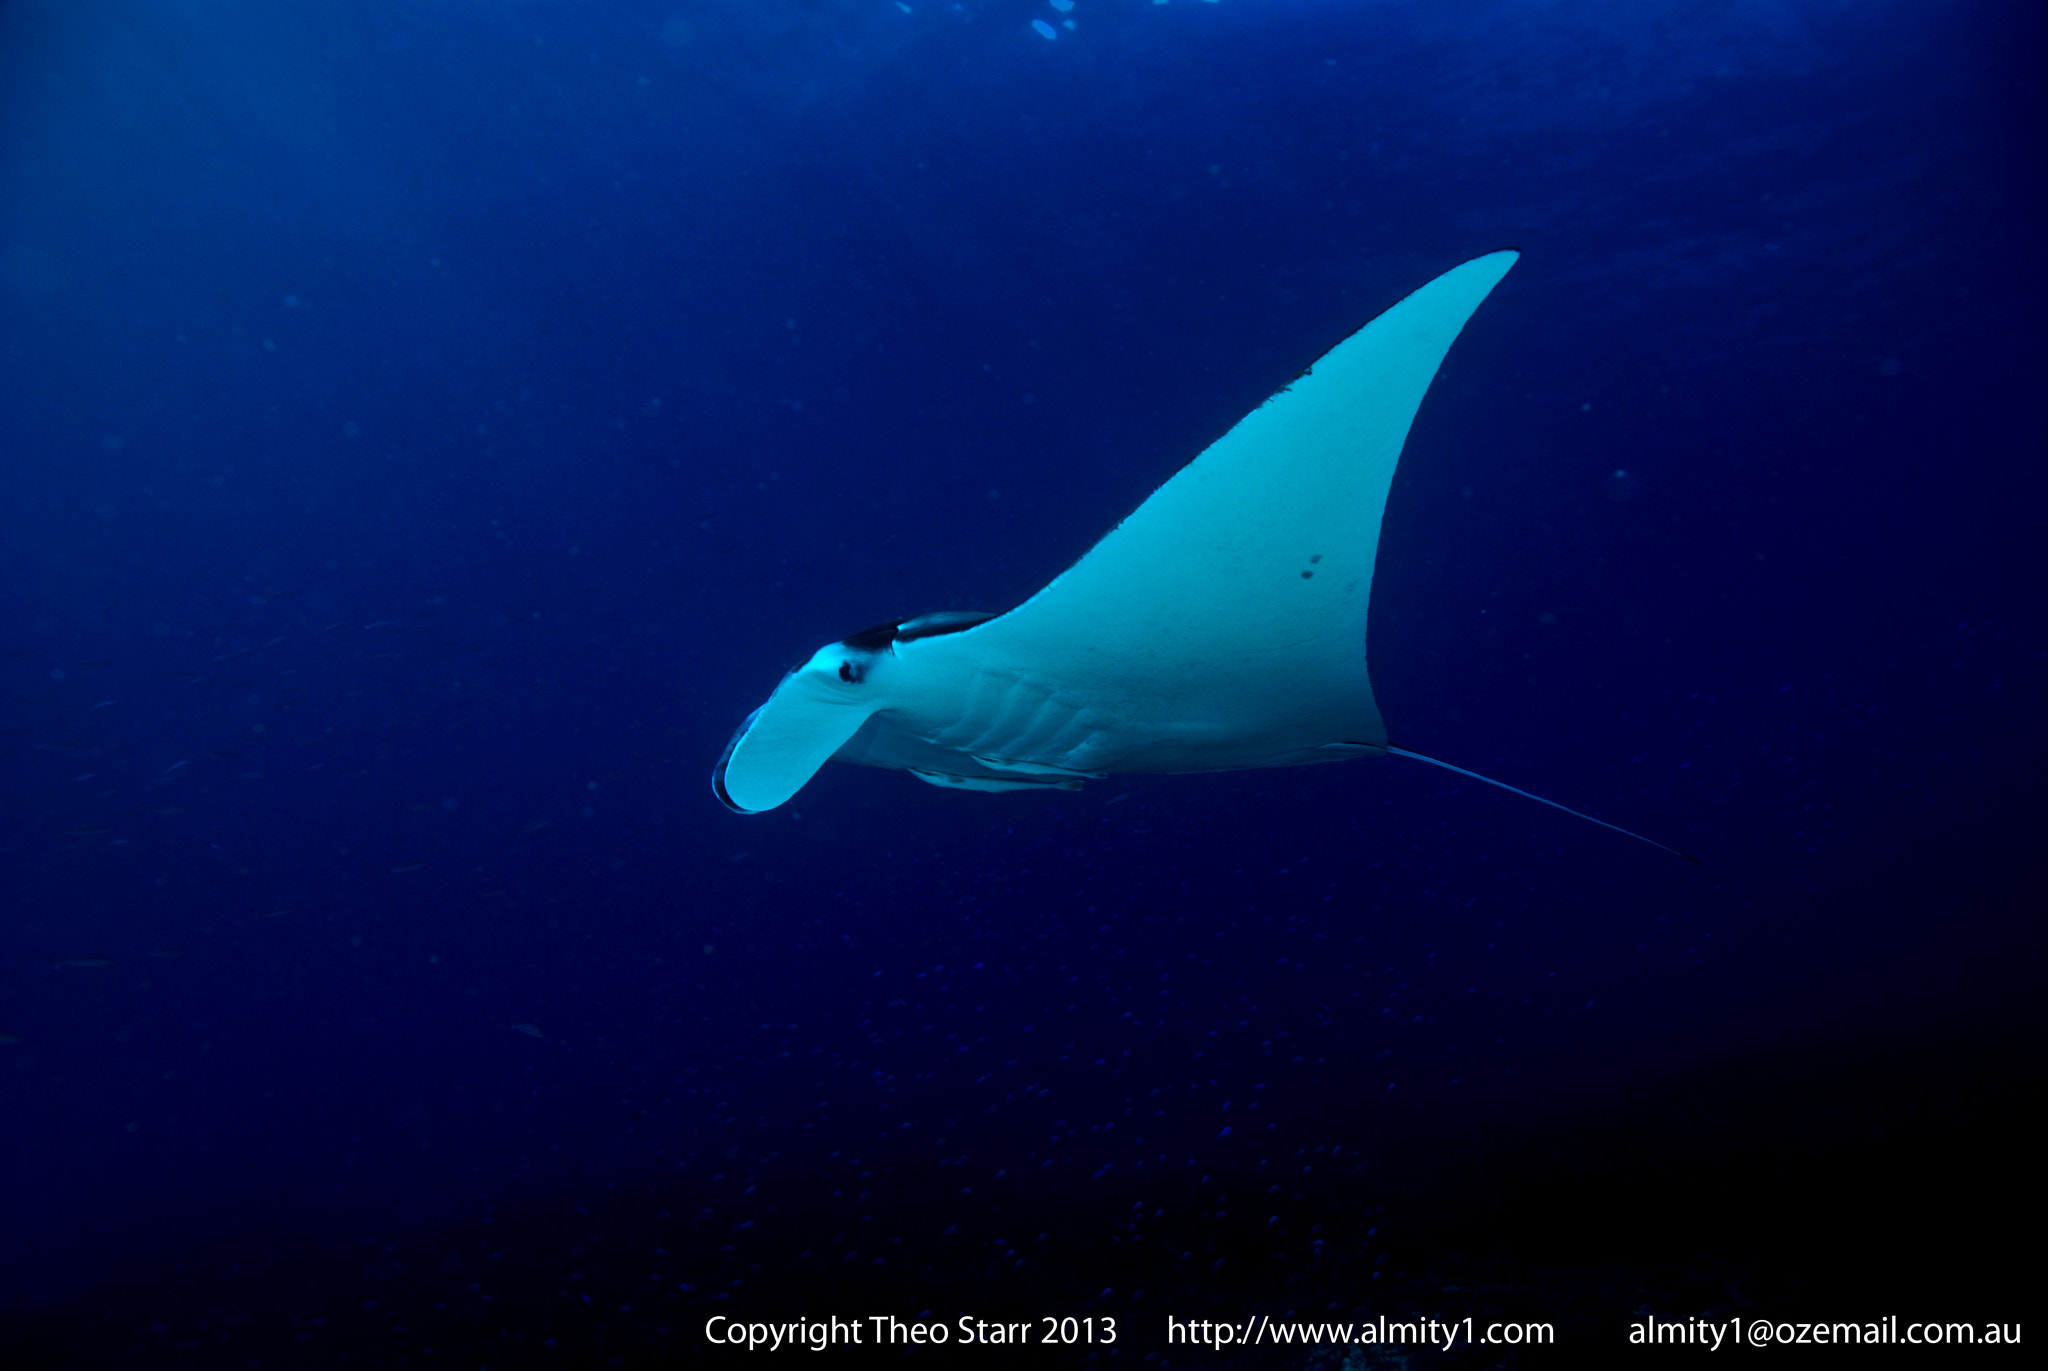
pixel 1845 1184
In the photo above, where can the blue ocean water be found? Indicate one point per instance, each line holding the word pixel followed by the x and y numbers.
pixel 427 430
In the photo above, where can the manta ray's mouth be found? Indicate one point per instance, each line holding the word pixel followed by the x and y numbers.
pixel 724 759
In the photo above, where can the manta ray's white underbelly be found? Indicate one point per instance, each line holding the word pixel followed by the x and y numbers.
pixel 986 724
pixel 995 723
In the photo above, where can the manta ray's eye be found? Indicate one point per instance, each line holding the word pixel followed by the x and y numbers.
pixel 852 672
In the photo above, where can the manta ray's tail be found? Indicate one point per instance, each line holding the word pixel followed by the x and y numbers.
pixel 1417 756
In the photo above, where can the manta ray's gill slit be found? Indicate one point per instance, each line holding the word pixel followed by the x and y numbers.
pixel 1031 721
pixel 1059 732
pixel 988 716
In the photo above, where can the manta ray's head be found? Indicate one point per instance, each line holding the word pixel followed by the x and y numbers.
pixel 816 709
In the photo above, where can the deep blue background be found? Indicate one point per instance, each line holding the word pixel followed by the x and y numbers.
pixel 428 429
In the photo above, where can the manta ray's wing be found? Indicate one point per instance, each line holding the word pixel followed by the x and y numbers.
pixel 1221 626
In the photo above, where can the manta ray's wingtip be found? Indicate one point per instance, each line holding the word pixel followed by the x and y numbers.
pixel 1494 264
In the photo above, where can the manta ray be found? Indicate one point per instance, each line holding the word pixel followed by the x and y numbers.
pixel 1220 627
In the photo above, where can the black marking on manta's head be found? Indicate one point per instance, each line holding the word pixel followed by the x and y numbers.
pixel 871 639
pixel 884 636
pixel 940 624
